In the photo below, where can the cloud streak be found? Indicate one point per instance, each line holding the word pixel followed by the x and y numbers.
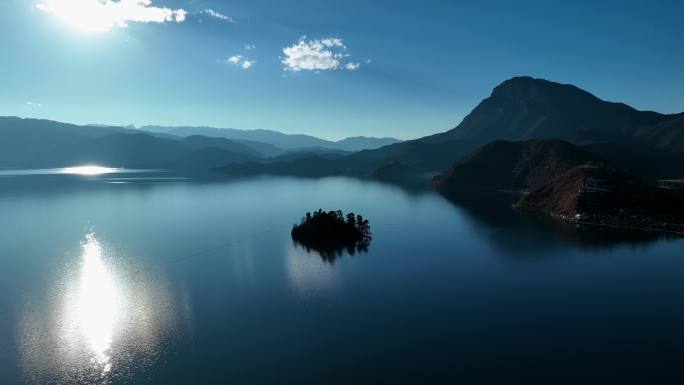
pixel 318 55
pixel 218 15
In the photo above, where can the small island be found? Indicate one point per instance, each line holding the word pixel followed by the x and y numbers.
pixel 330 233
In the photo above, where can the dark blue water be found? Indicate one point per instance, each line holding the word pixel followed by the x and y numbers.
pixel 161 281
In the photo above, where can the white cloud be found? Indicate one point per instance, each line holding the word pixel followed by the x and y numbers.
pixel 218 15
pixel 352 66
pixel 250 47
pixel 103 15
pixel 33 104
pixel 241 61
pixel 235 59
pixel 180 15
pixel 317 55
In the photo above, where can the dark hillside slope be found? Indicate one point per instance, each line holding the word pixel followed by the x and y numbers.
pixel 420 156
pixel 597 193
pixel 646 162
pixel 503 165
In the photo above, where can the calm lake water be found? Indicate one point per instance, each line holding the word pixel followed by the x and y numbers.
pixel 136 279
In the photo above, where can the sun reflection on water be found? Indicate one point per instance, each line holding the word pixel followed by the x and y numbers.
pixel 98 302
pixel 88 170
pixel 104 317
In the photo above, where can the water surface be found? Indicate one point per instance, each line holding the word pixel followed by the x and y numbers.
pixel 163 281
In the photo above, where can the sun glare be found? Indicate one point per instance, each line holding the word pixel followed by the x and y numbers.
pixel 83 14
pixel 98 302
pixel 88 170
pixel 103 15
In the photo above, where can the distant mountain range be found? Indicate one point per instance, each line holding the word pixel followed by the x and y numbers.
pixel 45 143
pixel 275 138
pixel 521 108
pixel 144 151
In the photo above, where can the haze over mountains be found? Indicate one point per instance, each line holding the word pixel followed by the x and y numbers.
pixel 275 138
pixel 45 143
pixel 521 108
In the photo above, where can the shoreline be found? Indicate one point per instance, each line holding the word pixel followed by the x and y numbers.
pixel 650 228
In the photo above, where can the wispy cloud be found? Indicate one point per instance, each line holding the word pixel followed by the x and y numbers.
pixel 241 61
pixel 218 15
pixel 103 15
pixel 33 104
pixel 352 66
pixel 235 59
pixel 318 55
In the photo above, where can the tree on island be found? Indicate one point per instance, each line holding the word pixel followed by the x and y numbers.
pixel 330 233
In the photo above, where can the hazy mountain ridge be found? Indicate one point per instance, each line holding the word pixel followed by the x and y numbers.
pixel 420 160
pixel 24 141
pixel 46 143
pixel 276 138
pixel 198 142
pixel 144 151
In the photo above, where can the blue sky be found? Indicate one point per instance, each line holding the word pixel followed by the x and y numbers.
pixel 327 68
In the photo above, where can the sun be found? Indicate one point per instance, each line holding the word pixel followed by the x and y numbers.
pixel 103 15
pixel 87 15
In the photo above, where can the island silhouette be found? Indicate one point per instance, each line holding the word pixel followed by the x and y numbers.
pixel 331 233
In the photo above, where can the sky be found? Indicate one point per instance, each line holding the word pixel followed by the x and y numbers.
pixel 333 68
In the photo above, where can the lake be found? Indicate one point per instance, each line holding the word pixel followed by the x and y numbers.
pixel 147 279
